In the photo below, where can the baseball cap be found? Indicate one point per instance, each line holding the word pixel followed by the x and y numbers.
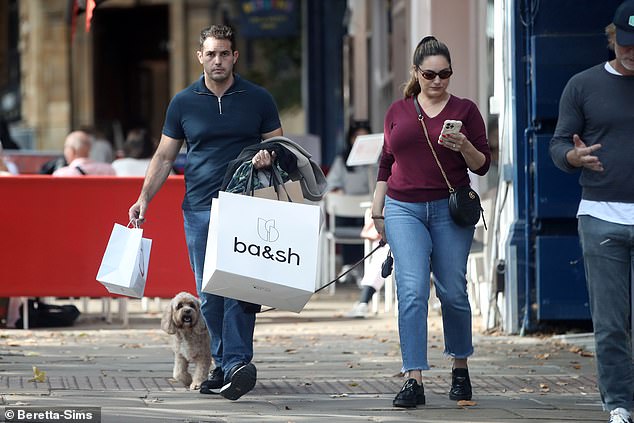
pixel 624 22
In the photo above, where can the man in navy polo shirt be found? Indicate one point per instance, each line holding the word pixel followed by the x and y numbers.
pixel 217 116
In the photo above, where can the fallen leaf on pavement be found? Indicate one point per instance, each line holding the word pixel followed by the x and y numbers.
pixel 131 346
pixel 467 403
pixel 38 375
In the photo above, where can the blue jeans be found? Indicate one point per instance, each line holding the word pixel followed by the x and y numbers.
pixel 423 236
pixel 608 254
pixel 230 326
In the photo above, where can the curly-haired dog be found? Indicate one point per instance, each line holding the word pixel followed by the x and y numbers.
pixel 183 320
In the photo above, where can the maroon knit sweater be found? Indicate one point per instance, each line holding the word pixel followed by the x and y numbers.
pixel 407 163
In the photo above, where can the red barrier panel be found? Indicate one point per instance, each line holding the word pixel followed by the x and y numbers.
pixel 54 231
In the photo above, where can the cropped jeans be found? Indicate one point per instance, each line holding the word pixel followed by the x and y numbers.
pixel 608 254
pixel 230 326
pixel 423 237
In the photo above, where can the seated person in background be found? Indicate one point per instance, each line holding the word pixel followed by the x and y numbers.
pixel 6 167
pixel 351 181
pixel 101 150
pixel 138 150
pixel 5 136
pixel 76 152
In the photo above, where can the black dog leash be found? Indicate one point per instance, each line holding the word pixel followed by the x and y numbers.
pixel 388 262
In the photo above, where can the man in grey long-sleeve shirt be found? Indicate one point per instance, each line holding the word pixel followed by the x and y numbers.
pixel 595 132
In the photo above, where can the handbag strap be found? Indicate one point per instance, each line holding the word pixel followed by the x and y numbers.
pixel 422 123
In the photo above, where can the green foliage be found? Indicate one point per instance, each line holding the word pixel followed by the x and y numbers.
pixel 276 64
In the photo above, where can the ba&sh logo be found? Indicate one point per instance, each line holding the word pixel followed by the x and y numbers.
pixel 267 232
pixel 283 256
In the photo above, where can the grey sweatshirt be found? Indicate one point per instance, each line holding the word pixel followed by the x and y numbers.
pixel 599 107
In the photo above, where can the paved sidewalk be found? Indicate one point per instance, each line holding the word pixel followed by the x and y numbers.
pixel 312 367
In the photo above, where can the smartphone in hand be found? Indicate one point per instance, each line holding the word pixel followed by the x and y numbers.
pixel 449 127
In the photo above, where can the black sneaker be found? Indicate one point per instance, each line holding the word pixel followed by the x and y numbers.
pixel 241 380
pixel 214 382
pixel 460 385
pixel 411 395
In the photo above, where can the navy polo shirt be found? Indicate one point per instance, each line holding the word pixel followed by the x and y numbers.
pixel 216 129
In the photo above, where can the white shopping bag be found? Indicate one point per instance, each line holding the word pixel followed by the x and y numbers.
pixel 125 263
pixel 262 251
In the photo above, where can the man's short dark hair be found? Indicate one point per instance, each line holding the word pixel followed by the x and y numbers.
pixel 219 32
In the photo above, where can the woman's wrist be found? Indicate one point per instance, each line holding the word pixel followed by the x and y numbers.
pixel 377 216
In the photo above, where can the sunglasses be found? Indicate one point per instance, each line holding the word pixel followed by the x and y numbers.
pixel 431 75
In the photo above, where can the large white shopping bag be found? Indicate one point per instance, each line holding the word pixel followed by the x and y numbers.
pixel 125 263
pixel 262 251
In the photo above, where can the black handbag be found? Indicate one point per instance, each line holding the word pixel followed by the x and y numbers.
pixel 464 203
pixel 464 206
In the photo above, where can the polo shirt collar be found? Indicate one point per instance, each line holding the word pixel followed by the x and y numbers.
pixel 202 88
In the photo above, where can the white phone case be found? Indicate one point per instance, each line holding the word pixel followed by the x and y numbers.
pixel 450 127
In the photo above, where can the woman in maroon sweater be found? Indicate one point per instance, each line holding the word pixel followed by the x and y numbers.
pixel 411 213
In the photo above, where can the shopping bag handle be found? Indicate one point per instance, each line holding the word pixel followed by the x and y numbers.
pixel 134 223
pixel 248 189
pixel 275 174
pixel 275 180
